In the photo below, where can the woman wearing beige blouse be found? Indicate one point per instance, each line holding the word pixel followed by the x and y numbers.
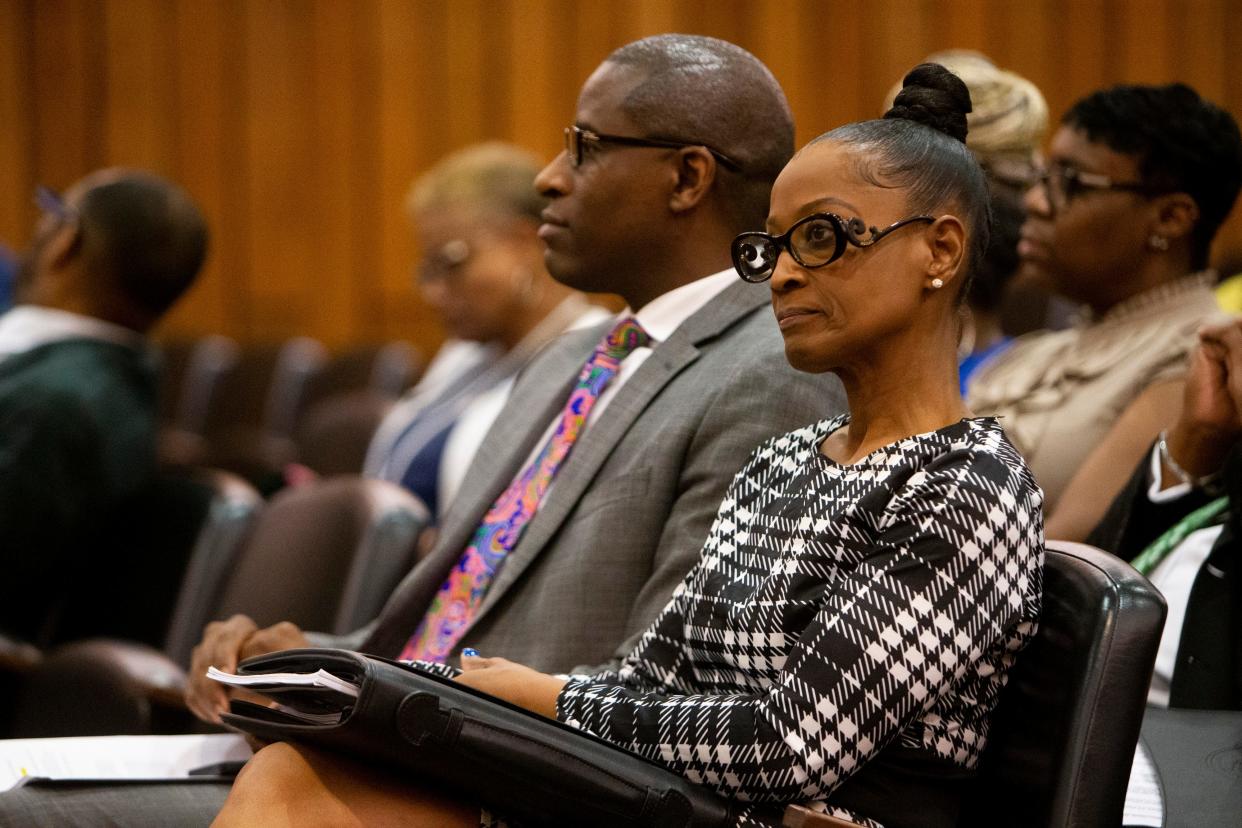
pixel 1139 180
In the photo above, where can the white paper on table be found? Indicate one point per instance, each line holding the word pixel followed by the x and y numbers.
pixel 1144 799
pixel 115 757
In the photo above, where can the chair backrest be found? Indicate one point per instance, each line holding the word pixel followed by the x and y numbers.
pixel 267 387
pixel 386 369
pixel 397 366
pixel 231 507
pixel 315 545
pixel 194 376
pixel 17 658
pixel 335 433
pixel 251 430
pixel 384 557
pixel 1063 736
pixel 126 583
pixel 300 360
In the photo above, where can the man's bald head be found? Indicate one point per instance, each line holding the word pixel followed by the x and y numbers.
pixel 703 90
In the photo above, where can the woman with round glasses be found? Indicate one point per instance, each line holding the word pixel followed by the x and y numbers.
pixel 1138 182
pixel 869 579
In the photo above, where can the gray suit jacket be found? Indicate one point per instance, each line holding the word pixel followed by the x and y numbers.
pixel 629 510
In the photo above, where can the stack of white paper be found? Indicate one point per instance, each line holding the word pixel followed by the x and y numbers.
pixel 1144 801
pixel 286 681
pixel 115 757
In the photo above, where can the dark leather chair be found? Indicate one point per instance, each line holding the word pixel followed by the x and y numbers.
pixel 251 431
pixel 126 584
pixel 335 433
pixel 102 687
pixel 1062 739
pixel 346 403
pixel 193 375
pixel 385 369
pixel 232 512
pixel 17 659
pixel 316 544
pixel 396 367
pixel 324 556
pixel 198 515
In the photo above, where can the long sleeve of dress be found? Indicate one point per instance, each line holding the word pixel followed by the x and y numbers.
pixel 914 609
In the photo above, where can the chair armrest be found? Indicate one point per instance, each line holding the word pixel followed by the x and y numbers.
pixel 17 659
pixel 799 816
pixel 144 669
pixel 102 687
pixel 17 656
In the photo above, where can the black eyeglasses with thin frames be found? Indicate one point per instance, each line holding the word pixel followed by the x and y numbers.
pixel 577 139
pixel 814 241
pixel 53 204
pixel 1063 183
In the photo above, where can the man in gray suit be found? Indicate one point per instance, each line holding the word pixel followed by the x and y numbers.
pixel 676 142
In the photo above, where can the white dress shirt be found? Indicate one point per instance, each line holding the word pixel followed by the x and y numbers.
pixel 458 361
pixel 472 426
pixel 660 318
pixel 456 358
pixel 27 327
pixel 1174 577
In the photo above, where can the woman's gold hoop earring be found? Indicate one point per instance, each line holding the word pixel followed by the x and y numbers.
pixel 937 283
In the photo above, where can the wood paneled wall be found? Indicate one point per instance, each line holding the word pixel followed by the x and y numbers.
pixel 298 124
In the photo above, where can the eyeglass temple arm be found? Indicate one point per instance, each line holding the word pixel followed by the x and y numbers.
pixel 855 227
pixel 659 142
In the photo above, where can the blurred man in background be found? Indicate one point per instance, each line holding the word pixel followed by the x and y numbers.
pixel 77 381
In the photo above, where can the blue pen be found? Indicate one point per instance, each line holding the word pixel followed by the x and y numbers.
pixel 470 651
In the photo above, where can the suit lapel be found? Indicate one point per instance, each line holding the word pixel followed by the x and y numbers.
pixel 596 444
pixel 508 442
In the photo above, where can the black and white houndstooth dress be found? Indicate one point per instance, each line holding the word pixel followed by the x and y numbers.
pixel 844 637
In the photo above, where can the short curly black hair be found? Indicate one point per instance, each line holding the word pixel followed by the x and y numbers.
pixel 1182 143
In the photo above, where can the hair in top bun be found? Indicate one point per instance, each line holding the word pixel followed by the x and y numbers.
pixel 920 146
pixel 933 96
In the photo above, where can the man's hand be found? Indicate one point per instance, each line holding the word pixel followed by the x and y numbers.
pixel 224 644
pixel 535 691
pixel 1225 342
pixel 1211 418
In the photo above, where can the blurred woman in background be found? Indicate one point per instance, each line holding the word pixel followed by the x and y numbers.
pixel 1139 180
pixel 475 214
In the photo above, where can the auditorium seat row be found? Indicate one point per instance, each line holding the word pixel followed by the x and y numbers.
pixel 254 409
pixel 324 556
pixel 1060 746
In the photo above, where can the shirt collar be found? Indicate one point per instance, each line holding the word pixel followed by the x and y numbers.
pixel 663 315
pixel 27 327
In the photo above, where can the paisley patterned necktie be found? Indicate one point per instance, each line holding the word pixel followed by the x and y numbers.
pixel 459 597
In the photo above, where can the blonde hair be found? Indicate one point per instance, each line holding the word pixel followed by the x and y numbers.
pixel 1009 119
pixel 493 177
